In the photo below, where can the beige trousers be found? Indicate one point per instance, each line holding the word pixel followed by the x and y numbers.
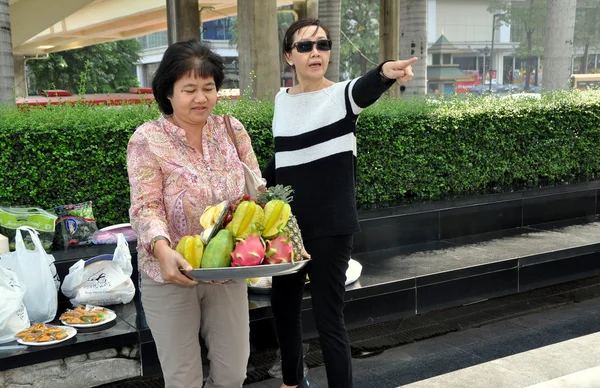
pixel 219 312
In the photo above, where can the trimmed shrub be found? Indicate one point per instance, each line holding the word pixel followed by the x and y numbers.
pixel 413 150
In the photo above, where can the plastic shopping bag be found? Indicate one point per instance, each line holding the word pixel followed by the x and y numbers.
pixel 13 315
pixel 102 280
pixel 33 270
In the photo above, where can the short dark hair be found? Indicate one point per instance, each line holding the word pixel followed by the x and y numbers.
pixel 288 38
pixel 191 56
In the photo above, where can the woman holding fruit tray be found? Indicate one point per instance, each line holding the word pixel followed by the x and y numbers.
pixel 178 166
pixel 314 126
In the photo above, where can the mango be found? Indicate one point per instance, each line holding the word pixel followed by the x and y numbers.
pixel 218 251
pixel 192 249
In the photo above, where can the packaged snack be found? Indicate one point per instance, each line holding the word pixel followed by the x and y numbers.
pixel 75 225
pixel 42 221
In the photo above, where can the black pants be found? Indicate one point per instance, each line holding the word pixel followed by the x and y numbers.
pixel 327 273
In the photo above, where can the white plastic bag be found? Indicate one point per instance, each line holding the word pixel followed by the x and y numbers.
pixel 353 272
pixel 13 315
pixel 102 280
pixel 33 270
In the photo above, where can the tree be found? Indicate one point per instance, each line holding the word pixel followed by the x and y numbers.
pixel 530 18
pixel 587 29
pixel 359 48
pixel 7 73
pixel 102 68
pixel 559 43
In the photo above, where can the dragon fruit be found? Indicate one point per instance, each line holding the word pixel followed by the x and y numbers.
pixel 279 250
pixel 249 251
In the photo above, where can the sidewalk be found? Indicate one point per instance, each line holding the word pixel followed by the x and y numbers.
pixel 555 348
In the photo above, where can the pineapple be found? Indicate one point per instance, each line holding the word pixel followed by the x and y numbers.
pixel 284 193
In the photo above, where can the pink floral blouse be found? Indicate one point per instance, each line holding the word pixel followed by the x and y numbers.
pixel 172 183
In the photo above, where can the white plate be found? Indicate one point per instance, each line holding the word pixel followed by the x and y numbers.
pixel 109 316
pixel 71 331
pixel 253 271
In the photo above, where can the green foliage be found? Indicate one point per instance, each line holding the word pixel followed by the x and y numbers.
pixel 359 50
pixel 408 150
pixel 528 18
pixel 102 68
pixel 587 29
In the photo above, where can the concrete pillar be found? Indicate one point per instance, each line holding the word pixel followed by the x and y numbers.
pixel 7 78
pixel 258 48
pixel 413 43
pixel 306 9
pixel 20 77
pixel 389 32
pixel 183 20
pixel 558 48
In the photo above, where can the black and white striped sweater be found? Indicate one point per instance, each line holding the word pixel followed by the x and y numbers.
pixel 315 152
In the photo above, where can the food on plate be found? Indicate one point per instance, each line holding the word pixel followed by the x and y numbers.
pixel 84 315
pixel 218 251
pixel 264 282
pixel 192 249
pixel 246 219
pixel 249 232
pixel 40 332
pixel 279 250
pixel 211 219
pixel 249 251
pixel 284 193
pixel 277 214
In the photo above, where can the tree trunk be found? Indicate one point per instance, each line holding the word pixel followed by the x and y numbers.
pixel 584 58
pixel 7 70
pixel 559 43
pixel 330 14
pixel 363 65
pixel 413 43
pixel 529 60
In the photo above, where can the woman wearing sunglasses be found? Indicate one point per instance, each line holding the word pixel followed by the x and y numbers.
pixel 315 152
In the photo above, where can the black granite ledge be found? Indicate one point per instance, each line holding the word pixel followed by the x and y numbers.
pixel 415 259
pixel 114 334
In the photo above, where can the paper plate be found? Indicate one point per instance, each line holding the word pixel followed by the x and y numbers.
pixel 71 331
pixel 255 271
pixel 109 316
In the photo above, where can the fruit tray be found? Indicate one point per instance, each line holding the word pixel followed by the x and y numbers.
pixel 255 271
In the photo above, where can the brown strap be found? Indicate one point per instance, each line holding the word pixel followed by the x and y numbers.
pixel 230 133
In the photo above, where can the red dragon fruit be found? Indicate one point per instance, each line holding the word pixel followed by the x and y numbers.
pixel 250 251
pixel 279 250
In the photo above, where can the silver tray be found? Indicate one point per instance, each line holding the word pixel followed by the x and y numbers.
pixel 255 271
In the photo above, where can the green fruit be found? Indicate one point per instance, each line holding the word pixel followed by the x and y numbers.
pixel 218 251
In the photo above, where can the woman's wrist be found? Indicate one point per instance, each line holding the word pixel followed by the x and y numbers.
pixel 384 78
pixel 157 242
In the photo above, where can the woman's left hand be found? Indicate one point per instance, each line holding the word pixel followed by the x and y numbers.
pixel 401 70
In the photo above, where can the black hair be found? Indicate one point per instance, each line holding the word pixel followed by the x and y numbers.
pixel 191 56
pixel 288 38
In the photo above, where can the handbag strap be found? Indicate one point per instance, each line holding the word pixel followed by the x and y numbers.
pixel 230 133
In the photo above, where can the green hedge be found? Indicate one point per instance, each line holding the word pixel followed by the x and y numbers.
pixel 407 150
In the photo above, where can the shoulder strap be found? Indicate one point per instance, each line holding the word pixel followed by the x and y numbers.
pixel 230 132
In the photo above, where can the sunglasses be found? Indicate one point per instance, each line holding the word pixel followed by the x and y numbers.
pixel 305 46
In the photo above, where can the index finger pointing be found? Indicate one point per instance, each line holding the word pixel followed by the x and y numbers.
pixel 407 62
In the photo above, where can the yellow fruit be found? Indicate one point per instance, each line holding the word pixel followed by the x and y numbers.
pixel 276 216
pixel 247 214
pixel 192 249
